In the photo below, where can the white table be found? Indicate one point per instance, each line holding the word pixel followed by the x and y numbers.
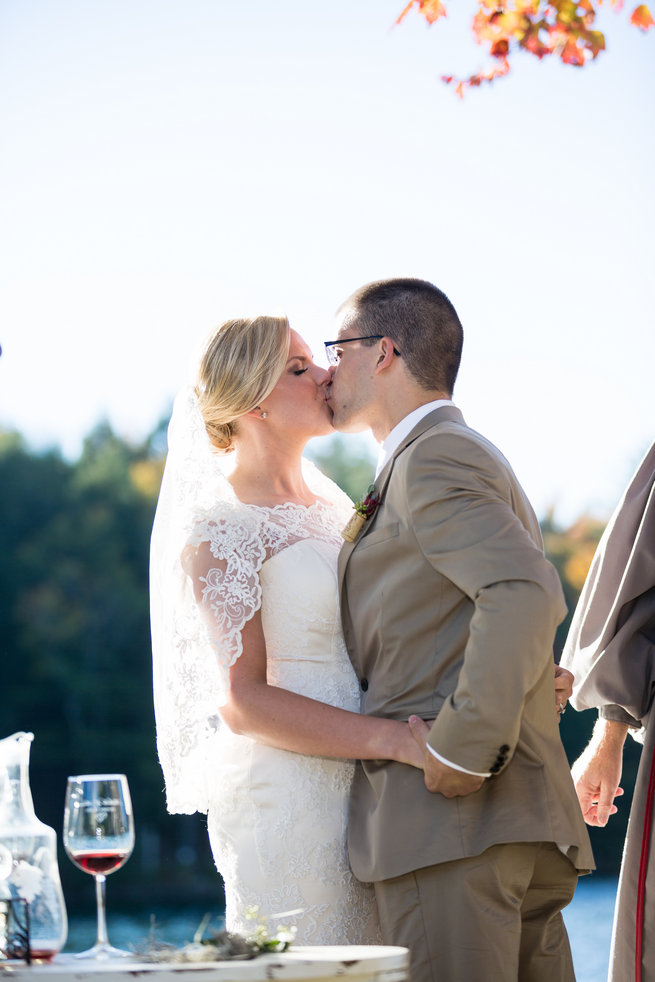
pixel 364 963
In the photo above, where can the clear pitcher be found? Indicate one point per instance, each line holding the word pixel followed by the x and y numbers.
pixel 28 852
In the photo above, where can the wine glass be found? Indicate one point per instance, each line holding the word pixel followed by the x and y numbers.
pixel 99 838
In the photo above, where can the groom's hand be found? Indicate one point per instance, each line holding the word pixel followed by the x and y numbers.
pixel 440 778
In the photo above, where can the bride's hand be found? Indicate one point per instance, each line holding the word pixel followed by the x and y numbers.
pixel 409 754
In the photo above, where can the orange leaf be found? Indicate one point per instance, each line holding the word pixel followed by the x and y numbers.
pixel 406 11
pixel 536 46
pixel 528 7
pixel 500 48
pixel 571 54
pixel 432 10
pixel 596 42
pixel 641 17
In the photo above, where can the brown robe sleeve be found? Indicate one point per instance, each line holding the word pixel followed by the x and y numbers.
pixel 611 644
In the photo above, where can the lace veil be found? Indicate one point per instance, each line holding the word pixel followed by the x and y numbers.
pixel 201 524
pixel 187 686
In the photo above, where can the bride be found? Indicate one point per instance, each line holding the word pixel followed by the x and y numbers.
pixel 256 701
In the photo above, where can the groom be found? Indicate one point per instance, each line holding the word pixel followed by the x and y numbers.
pixel 449 610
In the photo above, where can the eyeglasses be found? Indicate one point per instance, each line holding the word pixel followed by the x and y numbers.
pixel 332 347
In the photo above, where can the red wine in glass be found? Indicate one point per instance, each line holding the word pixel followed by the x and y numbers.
pixel 99 862
pixel 99 838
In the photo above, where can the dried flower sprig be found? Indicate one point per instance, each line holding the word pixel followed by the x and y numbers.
pixel 365 508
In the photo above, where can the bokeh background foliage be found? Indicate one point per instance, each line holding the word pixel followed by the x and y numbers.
pixel 75 643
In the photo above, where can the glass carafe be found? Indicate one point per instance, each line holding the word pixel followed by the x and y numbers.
pixel 33 874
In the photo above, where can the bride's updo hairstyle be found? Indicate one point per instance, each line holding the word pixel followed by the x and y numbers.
pixel 241 365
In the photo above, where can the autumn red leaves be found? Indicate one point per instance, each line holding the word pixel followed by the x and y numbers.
pixel 564 28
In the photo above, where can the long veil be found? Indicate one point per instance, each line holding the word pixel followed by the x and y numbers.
pixel 187 683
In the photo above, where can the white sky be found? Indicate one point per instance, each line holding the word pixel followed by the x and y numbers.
pixel 165 164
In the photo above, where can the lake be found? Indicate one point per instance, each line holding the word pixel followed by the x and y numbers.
pixel 588 920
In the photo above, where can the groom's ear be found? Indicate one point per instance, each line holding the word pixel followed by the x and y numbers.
pixel 385 356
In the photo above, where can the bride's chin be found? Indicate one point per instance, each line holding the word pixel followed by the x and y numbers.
pixel 326 429
pixel 326 425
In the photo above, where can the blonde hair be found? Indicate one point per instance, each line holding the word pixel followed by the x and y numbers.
pixel 241 365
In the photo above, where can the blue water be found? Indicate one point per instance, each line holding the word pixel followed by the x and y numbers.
pixel 588 920
pixel 589 923
pixel 129 931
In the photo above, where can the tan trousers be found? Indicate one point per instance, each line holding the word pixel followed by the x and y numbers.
pixel 489 918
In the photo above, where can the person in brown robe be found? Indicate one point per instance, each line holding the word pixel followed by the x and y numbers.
pixel 611 651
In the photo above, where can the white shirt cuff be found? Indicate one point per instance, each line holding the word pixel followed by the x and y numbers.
pixel 455 767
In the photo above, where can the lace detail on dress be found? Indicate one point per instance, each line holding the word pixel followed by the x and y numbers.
pixel 226 572
pixel 277 820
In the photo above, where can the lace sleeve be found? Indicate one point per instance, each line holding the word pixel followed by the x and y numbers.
pixel 205 557
pixel 223 558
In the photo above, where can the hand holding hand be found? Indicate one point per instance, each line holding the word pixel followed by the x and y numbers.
pixel 409 752
pixel 563 689
pixel 439 778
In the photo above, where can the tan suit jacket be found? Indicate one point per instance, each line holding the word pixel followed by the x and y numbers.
pixel 449 610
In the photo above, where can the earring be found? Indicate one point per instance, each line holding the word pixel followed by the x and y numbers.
pixel 264 414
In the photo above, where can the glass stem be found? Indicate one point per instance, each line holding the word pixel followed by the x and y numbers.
pixel 102 938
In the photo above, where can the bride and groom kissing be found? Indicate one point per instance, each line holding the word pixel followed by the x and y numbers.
pixel 381 707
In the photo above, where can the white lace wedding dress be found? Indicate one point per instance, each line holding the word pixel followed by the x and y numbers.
pixel 276 819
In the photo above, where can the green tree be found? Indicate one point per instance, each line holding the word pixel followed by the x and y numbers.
pixel 74 625
pixel 347 460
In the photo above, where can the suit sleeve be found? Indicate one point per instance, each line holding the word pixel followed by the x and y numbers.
pixel 465 524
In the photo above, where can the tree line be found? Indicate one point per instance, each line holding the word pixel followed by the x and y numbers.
pixel 75 643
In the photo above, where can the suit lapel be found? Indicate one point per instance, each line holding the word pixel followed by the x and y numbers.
pixel 441 415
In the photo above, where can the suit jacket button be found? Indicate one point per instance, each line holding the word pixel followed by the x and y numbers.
pixel 494 768
pixel 364 685
pixel 504 749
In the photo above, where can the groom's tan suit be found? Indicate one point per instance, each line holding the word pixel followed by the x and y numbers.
pixel 449 610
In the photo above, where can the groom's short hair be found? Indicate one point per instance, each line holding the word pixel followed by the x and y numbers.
pixel 420 320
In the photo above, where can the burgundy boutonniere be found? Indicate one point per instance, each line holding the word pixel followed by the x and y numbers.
pixel 364 509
